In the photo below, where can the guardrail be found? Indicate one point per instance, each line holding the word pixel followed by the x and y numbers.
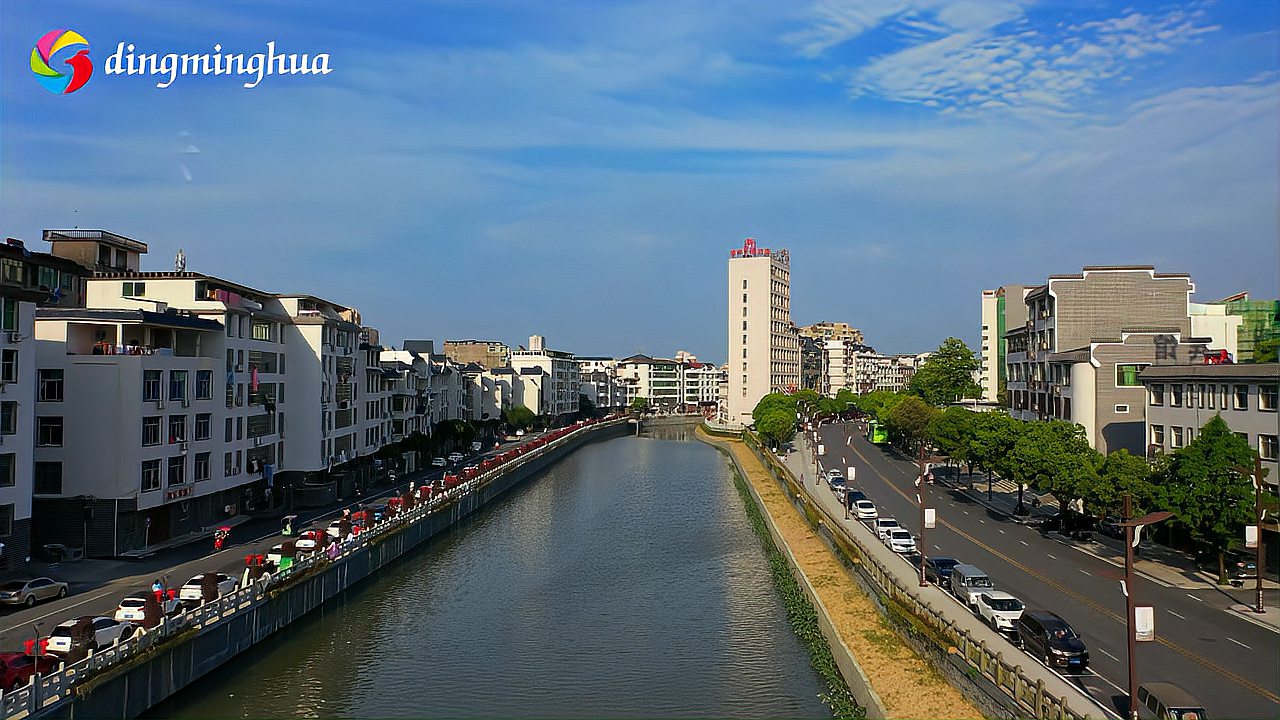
pixel 46 690
pixel 1028 694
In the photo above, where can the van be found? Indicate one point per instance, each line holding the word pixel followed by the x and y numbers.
pixel 968 582
pixel 1048 637
pixel 1166 701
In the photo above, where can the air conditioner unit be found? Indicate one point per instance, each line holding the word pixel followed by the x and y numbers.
pixel 15 336
pixel 183 447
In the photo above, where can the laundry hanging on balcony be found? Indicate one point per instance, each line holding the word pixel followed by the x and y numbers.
pixel 253 378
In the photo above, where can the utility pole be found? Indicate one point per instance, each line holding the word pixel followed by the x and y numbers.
pixel 1132 534
pixel 1256 475
pixel 922 464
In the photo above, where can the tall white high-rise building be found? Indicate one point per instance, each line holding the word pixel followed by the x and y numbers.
pixel 764 349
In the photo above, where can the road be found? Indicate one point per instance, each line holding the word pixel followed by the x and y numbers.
pixel 1228 663
pixel 182 563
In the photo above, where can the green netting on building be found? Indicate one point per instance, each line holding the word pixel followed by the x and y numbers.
pixel 1261 322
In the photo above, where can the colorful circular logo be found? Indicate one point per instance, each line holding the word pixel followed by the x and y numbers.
pixel 58 48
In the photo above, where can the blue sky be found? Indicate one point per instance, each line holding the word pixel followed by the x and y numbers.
pixel 581 169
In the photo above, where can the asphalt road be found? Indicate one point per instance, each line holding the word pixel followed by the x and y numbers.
pixel 1230 664
pixel 182 563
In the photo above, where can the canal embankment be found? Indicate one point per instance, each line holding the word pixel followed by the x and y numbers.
pixel 883 673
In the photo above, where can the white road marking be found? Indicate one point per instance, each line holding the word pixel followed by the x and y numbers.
pixel 1024 542
pixel 1086 572
pixel 1002 532
pixel 1051 556
pixel 1184 617
pixel 1246 647
pixel 935 547
pixel 1104 652
pixel 1193 597
pixel 984 522
pixel 966 512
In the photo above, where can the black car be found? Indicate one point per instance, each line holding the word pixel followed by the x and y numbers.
pixel 1046 636
pixel 854 496
pixel 937 570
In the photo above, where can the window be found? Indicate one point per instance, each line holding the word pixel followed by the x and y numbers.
pixel 1157 435
pixel 204 426
pixel 12 271
pixel 9 417
pixel 1241 397
pixel 201 471
pixel 228 432
pixel 177 428
pixel 104 255
pixel 50 386
pixel 177 384
pixel 151 430
pixel 1267 446
pixel 204 384
pixel 262 331
pixel 49 432
pixel 1267 397
pixel 1176 440
pixel 1127 375
pixel 6 520
pixel 9 365
pixel 150 475
pixel 744 297
pixel 1122 409
pixel 48 278
pixel 8 469
pixel 231 324
pixel 1157 394
pixel 177 470
pixel 134 289
pixel 48 478
pixel 1204 390
pixel 1175 396
pixel 226 464
pixel 9 317
pixel 150 385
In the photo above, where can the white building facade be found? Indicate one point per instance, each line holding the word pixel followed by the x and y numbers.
pixel 764 349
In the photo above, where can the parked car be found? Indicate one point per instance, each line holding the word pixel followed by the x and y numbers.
pixel 968 582
pixel 476 447
pixel 1000 610
pixel 865 510
pixel 1166 701
pixel 438 462
pixel 900 541
pixel 16 669
pixel 310 539
pixel 193 591
pixel 455 457
pixel 333 529
pixel 855 495
pixel 1048 637
pixel 132 607
pixel 105 632
pixel 882 526
pixel 937 570
pixel 30 592
pixel 1110 526
pixel 833 473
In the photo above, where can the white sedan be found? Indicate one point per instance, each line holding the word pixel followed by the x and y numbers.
pixel 865 510
pixel 884 525
pixel 1000 610
pixel 132 608
pixel 900 541
pixel 193 591
pixel 104 632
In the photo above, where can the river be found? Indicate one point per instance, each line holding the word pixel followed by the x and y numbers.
pixel 623 582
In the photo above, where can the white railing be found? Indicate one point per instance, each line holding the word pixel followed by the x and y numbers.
pixel 54 688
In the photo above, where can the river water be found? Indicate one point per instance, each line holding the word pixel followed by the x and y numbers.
pixel 623 582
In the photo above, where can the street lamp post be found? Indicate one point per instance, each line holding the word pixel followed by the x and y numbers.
pixel 35 675
pixel 1256 475
pixel 922 463
pixel 1132 534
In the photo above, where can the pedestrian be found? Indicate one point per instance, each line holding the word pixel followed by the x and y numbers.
pixel 158 589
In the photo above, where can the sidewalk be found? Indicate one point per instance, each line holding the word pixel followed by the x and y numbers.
pixel 1157 563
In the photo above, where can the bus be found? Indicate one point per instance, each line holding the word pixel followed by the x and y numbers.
pixel 877 433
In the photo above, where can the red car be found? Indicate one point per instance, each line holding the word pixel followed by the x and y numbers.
pixel 16 669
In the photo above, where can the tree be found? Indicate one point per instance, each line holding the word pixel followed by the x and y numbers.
pixel 947 376
pixel 1205 492
pixel 953 432
pixel 1054 457
pixel 994 435
pixel 586 408
pixel 1119 473
pixel 910 420
pixel 777 425
pixel 640 403
pixel 518 417
pixel 784 402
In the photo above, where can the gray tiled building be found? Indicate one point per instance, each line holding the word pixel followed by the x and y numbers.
pixel 1086 339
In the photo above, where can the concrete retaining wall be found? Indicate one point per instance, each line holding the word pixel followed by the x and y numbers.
pixel 142 684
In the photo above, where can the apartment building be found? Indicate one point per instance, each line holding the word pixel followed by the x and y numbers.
pixel 1087 338
pixel 764 348
pixel 825 331
pixel 599 382
pixel 701 386
pixel 549 378
pixel 657 380
pixel 1002 309
pixel 485 353
pixel 201 441
pixel 28 281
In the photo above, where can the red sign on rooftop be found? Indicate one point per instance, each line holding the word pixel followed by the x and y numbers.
pixel 749 249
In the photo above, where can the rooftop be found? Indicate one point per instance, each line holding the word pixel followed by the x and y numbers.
pixel 1244 371
pixel 91 235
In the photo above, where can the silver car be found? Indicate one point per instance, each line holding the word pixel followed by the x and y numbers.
pixel 30 592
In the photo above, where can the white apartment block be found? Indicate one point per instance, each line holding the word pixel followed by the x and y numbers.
pixel 27 281
pixel 549 378
pixel 701 384
pixel 764 349
pixel 655 379
pixel 990 362
pixel 599 382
